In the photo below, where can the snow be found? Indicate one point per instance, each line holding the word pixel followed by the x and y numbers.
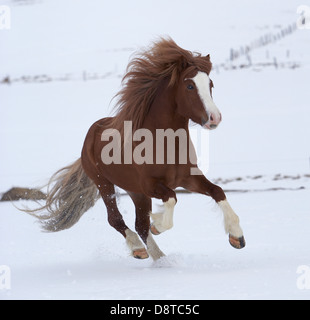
pixel 261 144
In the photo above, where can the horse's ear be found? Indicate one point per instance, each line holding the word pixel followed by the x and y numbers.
pixel 208 57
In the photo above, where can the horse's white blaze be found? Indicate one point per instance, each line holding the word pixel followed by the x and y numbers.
pixel 133 240
pixel 164 221
pixel 202 82
pixel 231 220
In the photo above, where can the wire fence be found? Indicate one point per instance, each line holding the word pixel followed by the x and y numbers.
pixel 245 51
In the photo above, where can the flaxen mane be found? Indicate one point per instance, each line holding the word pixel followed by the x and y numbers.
pixel 164 60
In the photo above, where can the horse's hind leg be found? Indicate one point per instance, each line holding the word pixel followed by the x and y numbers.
pixel 143 206
pixel 115 219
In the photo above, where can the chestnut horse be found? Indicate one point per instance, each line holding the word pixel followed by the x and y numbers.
pixel 165 86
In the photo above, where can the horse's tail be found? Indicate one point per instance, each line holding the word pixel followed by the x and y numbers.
pixel 70 194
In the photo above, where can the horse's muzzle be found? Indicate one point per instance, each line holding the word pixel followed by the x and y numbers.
pixel 213 121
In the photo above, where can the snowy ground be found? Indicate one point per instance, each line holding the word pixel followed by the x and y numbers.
pixel 262 144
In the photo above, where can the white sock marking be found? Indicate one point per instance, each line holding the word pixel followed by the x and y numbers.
pixel 133 240
pixel 164 221
pixel 231 220
pixel 152 248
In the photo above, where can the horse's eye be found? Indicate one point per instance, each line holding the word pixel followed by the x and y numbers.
pixel 190 87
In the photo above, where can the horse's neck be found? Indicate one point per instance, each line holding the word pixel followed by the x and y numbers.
pixel 163 111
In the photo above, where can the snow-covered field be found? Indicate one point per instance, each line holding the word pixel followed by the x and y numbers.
pixel 262 146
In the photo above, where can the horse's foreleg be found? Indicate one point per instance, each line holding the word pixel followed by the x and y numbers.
pixel 162 221
pixel 202 185
pixel 232 226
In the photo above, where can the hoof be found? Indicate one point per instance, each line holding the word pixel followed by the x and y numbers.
pixel 237 243
pixel 140 254
pixel 154 231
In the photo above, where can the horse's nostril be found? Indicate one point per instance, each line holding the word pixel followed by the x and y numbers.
pixel 211 118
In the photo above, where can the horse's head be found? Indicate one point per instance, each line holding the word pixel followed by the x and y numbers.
pixel 194 98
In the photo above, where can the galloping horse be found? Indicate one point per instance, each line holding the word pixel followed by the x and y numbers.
pixel 165 86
